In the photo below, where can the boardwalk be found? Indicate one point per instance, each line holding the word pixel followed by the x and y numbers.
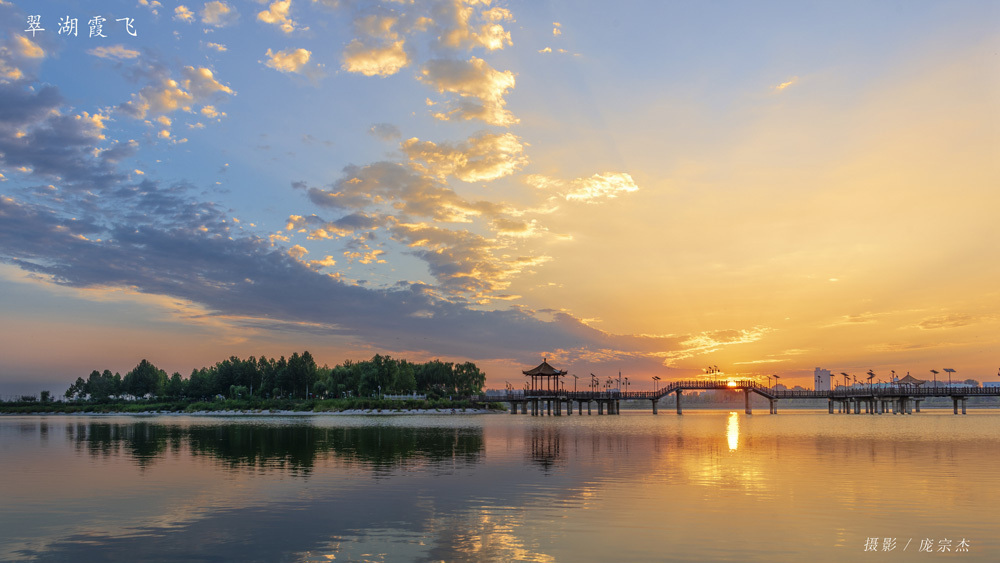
pixel 878 399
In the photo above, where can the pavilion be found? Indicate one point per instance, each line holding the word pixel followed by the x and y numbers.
pixel 544 379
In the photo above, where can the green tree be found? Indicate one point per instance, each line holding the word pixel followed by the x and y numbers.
pixel 143 379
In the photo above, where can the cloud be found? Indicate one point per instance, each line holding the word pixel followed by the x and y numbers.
pixel 556 29
pixel 398 189
pixel 288 61
pixel 460 27
pixel 482 158
pixel 856 319
pixel 608 185
pixel 202 84
pixel 36 136
pixel 948 321
pixel 790 82
pixel 182 13
pixel 385 131
pixel 217 46
pixel 114 52
pixel 375 61
pixel 712 341
pixel 27 48
pixel 277 14
pixel 218 14
pixel 480 89
pixel 152 5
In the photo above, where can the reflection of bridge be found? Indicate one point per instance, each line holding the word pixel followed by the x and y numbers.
pixel 878 399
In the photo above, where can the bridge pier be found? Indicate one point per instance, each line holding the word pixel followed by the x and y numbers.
pixel 600 407
pixel 679 411
pixel 588 407
pixel 655 401
pixel 774 406
pixel 558 405
pixel 746 400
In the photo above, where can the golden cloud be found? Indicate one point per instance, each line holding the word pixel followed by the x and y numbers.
pixel 277 14
pixel 480 89
pixel 289 60
pixel 482 158
pixel 383 60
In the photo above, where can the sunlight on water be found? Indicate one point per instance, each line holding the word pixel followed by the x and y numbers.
pixel 733 431
pixel 708 485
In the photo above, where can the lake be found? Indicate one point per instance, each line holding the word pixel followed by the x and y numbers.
pixel 708 485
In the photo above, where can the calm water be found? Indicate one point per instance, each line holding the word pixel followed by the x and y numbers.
pixel 709 485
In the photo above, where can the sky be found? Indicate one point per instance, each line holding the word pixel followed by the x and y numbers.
pixel 644 187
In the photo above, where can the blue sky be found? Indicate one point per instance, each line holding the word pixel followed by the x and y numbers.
pixel 642 186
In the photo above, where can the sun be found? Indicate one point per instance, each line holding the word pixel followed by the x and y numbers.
pixel 731 383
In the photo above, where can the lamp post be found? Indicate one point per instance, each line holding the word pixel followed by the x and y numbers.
pixel 626 385
pixel 776 378
pixel 935 372
pixel 950 371
pixel 575 378
pixel 845 378
pixel 657 378
pixel 871 376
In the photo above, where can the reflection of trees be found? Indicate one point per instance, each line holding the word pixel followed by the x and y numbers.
pixel 294 448
pixel 142 441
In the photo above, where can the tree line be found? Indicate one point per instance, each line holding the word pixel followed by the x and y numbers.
pixel 297 377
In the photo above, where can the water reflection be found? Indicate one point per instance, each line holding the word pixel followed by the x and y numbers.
pixel 493 488
pixel 733 431
pixel 545 450
pixel 295 448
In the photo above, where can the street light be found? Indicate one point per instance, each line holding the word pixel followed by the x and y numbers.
pixel 845 378
pixel 871 376
pixel 935 372
pixel 575 378
pixel 776 378
pixel 657 378
pixel 950 371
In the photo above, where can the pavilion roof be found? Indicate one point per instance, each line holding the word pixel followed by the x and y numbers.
pixel 544 369
pixel 910 380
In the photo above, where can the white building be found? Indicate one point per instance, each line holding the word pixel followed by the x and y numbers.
pixel 821 379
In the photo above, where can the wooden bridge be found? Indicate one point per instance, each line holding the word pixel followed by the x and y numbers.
pixel 876 399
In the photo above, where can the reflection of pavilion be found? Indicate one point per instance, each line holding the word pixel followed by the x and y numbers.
pixel 545 447
pixel 544 394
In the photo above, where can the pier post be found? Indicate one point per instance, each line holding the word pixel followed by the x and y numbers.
pixel 558 407
pixel 618 406
pixel 569 407
pixel 655 411
pixel 964 400
pixel 774 406
pixel 600 407
pixel 513 407
pixel 589 402
pixel 579 405
pixel 954 400
pixel 829 405
pixel 679 401
pixel 746 397
pixel 916 404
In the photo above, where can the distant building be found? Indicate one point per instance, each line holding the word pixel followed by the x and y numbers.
pixel 821 379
